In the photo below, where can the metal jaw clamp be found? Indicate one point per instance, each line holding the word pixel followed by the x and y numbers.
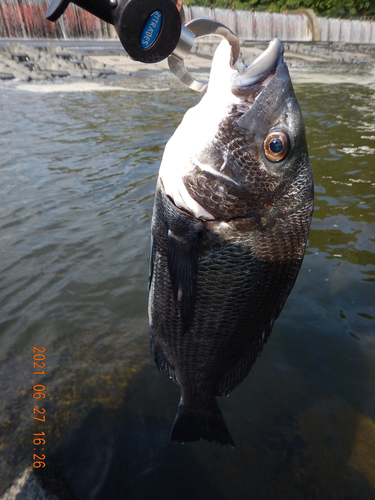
pixel 152 30
pixel 194 29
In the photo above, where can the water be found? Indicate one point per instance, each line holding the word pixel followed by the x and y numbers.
pixel 78 173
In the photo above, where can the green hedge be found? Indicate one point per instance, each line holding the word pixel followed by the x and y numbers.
pixel 333 8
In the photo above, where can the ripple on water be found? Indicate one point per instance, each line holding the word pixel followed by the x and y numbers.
pixel 78 177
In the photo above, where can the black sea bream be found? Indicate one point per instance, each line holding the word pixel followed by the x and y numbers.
pixel 233 207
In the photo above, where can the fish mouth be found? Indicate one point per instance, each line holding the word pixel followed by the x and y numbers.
pixel 249 81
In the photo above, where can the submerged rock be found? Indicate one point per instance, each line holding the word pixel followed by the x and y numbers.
pixel 32 486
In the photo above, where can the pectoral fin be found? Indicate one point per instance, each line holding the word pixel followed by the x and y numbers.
pixel 182 264
pixel 175 237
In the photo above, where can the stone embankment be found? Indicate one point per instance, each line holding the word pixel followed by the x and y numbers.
pixel 300 52
pixel 23 62
pixel 338 52
pixel 50 62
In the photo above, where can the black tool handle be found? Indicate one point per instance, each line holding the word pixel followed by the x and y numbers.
pixel 149 30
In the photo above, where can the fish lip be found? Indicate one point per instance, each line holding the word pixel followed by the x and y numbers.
pixel 251 81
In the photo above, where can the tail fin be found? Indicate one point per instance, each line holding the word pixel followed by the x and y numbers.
pixel 193 425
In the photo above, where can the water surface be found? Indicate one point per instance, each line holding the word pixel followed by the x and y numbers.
pixel 78 173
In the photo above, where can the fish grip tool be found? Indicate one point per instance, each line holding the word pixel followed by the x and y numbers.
pixel 153 30
pixel 200 27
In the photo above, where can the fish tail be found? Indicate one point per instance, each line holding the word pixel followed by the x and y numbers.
pixel 195 424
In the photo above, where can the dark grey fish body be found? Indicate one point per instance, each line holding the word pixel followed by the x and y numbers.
pixel 218 282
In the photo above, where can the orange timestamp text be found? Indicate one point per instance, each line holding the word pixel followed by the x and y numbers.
pixel 39 414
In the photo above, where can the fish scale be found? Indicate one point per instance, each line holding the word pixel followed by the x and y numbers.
pixel 223 271
pixel 224 261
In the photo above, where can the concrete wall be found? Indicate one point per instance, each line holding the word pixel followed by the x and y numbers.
pixel 343 30
pixel 288 27
pixel 257 25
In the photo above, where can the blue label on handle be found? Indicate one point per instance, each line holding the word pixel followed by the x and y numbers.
pixel 151 29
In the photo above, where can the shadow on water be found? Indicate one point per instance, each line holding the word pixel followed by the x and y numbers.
pixel 295 420
pixel 293 440
pixel 129 456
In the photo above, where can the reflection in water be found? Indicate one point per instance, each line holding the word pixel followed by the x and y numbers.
pixel 78 175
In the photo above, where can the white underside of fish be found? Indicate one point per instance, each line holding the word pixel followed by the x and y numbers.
pixel 200 124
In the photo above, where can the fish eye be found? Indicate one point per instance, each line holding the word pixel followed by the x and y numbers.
pixel 276 146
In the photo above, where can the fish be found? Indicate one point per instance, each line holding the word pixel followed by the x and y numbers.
pixel 232 212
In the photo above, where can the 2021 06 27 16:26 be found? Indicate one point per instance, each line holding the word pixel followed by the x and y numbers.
pixel 39 414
